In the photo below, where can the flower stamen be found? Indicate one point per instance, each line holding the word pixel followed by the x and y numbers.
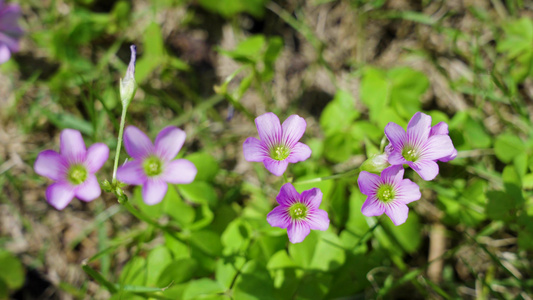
pixel 152 166
pixel 298 211
pixel 280 152
pixel 385 193
pixel 77 174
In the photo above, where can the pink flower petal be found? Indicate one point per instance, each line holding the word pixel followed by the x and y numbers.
pixel 269 129
pixel 450 157
pixel 368 183
pixel 318 220
pixel 427 169
pixel 397 212
pixel 254 150
pixel 89 190
pixel 59 194
pixel 179 171
pixel 72 146
pixel 299 152
pixel 311 198
pixel 97 155
pixel 279 217
pixel 154 191
pixel 418 129
pixel 288 195
pixel 407 192
pixel 5 54
pixel 132 173
pixel 372 207
pixel 51 164
pixel 297 231
pixel 169 142
pixel 393 174
pixel 396 158
pixel 396 135
pixel 437 147
pixel 137 144
pixel 440 129
pixel 276 167
pixel 293 129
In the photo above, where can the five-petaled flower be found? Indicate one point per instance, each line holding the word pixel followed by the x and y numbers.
pixel 421 146
pixel 279 144
pixel 388 193
pixel 154 165
pixel 10 32
pixel 298 213
pixel 72 169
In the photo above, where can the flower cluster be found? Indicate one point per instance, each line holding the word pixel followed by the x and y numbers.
pixel 153 166
pixel 10 32
pixel 277 147
pixel 420 147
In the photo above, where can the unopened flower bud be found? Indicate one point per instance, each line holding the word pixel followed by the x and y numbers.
pixel 376 163
pixel 128 86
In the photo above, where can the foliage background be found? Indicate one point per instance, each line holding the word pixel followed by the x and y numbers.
pixel 210 67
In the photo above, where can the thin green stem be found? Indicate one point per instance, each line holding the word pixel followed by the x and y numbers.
pixel 285 179
pixel 119 142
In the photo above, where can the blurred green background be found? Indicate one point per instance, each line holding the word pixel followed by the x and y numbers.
pixel 210 67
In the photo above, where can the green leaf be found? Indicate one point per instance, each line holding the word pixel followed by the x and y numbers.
pixel 321 250
pixel 4 290
pixel 407 235
pixel 207 241
pixel 281 260
pixel 199 192
pixel 407 88
pixel 178 271
pixel 254 283
pixel 154 52
pixel 339 113
pixel 153 211
pixel 227 268
pixel 158 259
pixel 315 286
pixel 202 289
pixel 206 165
pixel 507 147
pixel 175 207
pixel 374 92
pixel 236 237
pixel 249 50
pixel 12 270
pixel 134 272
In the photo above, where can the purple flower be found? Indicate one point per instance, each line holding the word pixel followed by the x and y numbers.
pixel 154 166
pixel 298 213
pixel 388 193
pixel 417 147
pixel 279 144
pixel 72 170
pixel 10 32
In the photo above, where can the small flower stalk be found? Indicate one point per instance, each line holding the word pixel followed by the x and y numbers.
pixel 72 169
pixel 388 193
pixel 298 213
pixel 128 86
pixel 278 144
pixel 153 165
pixel 10 31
